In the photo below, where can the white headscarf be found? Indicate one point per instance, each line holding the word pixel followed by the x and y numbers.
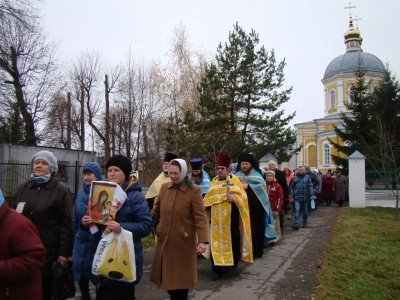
pixel 183 165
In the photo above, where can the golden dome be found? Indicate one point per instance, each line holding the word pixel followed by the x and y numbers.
pixel 352 37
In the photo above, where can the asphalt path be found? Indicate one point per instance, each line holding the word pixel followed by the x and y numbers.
pixel 287 270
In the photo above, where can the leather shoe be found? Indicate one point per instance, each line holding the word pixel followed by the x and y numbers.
pixel 295 227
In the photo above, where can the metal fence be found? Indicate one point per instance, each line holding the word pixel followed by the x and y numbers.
pixel 380 179
pixel 13 174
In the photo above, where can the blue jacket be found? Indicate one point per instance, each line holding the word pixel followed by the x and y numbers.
pixel 301 188
pixel 84 241
pixel 134 216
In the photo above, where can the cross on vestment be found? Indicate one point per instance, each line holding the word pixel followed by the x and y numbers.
pixel 228 185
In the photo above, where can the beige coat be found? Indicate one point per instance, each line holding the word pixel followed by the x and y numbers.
pixel 182 215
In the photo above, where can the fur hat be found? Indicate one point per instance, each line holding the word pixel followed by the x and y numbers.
pixel 48 157
pixel 93 167
pixel 196 163
pixel 223 161
pixel 121 162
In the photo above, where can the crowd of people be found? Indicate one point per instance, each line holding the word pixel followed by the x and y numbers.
pixel 228 218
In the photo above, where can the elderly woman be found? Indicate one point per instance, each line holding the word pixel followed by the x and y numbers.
pixel 48 204
pixel 181 232
pixel 84 243
pixel 133 216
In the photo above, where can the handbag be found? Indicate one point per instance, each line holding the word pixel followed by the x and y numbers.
pixel 63 285
pixel 115 257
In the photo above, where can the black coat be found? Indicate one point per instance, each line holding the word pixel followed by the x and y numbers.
pixel 49 207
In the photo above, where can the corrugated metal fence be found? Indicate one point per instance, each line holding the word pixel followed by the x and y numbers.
pixel 13 174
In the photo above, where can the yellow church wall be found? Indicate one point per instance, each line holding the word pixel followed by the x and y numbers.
pixel 311 155
pixel 329 88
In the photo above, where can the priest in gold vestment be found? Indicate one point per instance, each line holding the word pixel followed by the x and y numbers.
pixel 154 189
pixel 228 210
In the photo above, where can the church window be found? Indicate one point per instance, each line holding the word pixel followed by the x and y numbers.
pixel 352 93
pixel 333 99
pixel 327 155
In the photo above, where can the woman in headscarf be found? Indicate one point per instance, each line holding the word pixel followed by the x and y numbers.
pixel 84 243
pixel 181 232
pixel 47 203
pixel 133 216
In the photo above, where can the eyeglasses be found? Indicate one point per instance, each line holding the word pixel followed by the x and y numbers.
pixel 220 168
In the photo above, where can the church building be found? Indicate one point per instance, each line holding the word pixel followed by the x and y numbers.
pixel 338 80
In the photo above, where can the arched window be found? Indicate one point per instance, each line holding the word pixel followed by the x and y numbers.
pixel 333 99
pixel 327 155
pixel 352 92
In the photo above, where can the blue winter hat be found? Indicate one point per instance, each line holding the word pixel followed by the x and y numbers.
pixel 93 167
pixel 196 163
pixel 48 157
pixel 1 198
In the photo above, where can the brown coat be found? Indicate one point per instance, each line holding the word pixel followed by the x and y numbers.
pixel 182 215
pixel 340 187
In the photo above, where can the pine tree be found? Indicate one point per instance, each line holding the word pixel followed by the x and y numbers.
pixel 240 96
pixel 368 108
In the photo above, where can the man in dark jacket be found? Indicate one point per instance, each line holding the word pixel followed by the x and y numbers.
pixel 281 179
pixel 21 256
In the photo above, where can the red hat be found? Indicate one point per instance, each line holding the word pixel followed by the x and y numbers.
pixel 223 161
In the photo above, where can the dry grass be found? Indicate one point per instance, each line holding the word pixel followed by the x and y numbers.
pixel 362 261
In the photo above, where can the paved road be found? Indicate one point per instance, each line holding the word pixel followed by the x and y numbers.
pixel 286 271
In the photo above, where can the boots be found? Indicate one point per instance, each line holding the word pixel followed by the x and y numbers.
pixel 84 288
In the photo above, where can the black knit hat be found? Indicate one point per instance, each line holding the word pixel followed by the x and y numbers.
pixel 121 162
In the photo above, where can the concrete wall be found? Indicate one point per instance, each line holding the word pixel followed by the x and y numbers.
pixel 380 198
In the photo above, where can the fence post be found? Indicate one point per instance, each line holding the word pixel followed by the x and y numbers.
pixel 76 179
pixel 356 180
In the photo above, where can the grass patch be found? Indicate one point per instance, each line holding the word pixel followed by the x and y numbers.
pixel 362 261
pixel 148 242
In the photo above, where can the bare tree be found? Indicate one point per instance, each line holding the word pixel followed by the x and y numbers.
pixel 28 70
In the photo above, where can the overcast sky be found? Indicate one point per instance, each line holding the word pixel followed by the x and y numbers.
pixel 309 34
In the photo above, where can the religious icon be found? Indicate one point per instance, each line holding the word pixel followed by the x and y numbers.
pixel 100 200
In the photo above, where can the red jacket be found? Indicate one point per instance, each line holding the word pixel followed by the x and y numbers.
pixel 275 195
pixel 327 185
pixel 21 256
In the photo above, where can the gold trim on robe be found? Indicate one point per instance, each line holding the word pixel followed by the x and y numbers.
pixel 220 231
pixel 155 187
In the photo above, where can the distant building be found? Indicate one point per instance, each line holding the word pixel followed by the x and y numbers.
pixel 338 80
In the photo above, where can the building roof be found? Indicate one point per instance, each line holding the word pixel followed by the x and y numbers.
pixel 356 155
pixel 267 157
pixel 348 63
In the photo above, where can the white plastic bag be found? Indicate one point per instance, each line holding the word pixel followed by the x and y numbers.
pixel 312 204
pixel 115 257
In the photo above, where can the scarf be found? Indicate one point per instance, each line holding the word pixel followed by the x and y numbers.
pixel 185 179
pixel 40 179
